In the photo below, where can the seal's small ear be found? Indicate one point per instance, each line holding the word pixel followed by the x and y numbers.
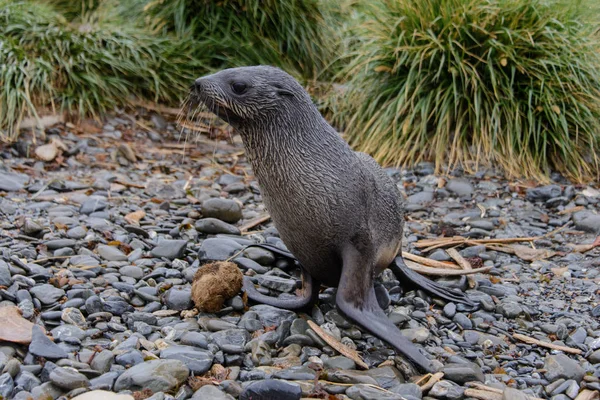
pixel 282 91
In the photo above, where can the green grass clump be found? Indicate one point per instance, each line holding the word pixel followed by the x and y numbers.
pixel 514 83
pixel 50 64
pixel 292 34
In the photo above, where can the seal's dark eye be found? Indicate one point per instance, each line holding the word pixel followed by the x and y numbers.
pixel 239 87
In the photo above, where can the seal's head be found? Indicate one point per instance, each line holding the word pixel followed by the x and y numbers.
pixel 245 95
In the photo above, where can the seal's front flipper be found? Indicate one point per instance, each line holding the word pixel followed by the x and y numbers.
pixel 274 249
pixel 356 299
pixel 310 294
pixel 414 280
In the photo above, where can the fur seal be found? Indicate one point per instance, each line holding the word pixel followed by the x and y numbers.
pixel 336 210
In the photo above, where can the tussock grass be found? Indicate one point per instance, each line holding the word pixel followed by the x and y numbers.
pixel 514 83
pixel 46 62
pixel 292 34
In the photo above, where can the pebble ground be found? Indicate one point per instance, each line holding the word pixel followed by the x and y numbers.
pixel 98 248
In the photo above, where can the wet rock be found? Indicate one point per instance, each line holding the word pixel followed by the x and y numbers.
pixel 273 316
pixel 93 204
pixel 7 384
pixel 447 390
pixel 416 335
pixel 47 294
pixel 424 197
pixel 209 392
pixel 277 283
pixel 367 392
pixel 510 309
pixel 155 375
pixel 4 274
pixel 587 221
pixel 223 209
pixel 178 298
pixel 197 361
pixel 214 226
pixel 561 366
pixel 170 249
pixel 461 187
pixel 68 378
pixel 12 181
pixel 42 346
pixel 218 249
pixel 271 389
pixel 463 373
pixel 543 193
pixel 111 253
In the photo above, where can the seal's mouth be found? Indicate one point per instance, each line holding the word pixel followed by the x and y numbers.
pixel 206 95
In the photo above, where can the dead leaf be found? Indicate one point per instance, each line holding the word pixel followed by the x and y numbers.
pixel 529 254
pixel 47 152
pixel 382 68
pixel 127 152
pixel 582 248
pixel 13 327
pixel 89 126
pixel 135 217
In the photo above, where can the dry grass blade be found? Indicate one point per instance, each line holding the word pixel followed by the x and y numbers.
pixel 261 219
pixel 428 262
pixel 339 347
pixel 443 272
pixel 552 346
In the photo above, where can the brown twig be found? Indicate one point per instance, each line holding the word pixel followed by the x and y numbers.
pixel 338 346
pixel 481 386
pixel 530 340
pixel 443 272
pixel 460 260
pixel 254 222
pixel 428 262
pixel 433 379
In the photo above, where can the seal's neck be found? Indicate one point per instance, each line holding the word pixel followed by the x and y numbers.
pixel 296 137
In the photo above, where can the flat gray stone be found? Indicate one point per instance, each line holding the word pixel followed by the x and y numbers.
pixel 155 375
pixel 111 253
pixel 463 373
pixel 42 346
pixel 209 392
pixel 198 361
pixel 562 366
pixel 367 392
pixel 68 378
pixel 12 181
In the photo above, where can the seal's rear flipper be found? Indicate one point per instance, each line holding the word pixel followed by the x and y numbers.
pixel 356 299
pixel 414 280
